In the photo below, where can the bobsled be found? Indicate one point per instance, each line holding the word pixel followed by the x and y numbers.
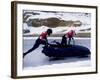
pixel 67 51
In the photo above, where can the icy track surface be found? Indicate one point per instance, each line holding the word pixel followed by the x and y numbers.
pixel 37 60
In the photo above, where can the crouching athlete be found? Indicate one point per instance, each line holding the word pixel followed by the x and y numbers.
pixel 42 39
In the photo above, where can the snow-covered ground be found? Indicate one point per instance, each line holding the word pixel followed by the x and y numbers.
pixel 60 30
pixel 85 18
pixel 37 60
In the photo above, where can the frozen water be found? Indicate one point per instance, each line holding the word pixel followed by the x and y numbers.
pixel 37 60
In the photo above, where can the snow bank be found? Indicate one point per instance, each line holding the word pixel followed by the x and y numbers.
pixel 85 18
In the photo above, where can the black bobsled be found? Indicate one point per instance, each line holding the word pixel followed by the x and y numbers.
pixel 68 51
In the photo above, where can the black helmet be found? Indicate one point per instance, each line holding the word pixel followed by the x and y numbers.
pixel 49 31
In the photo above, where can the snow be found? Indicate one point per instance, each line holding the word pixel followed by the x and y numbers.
pixel 37 60
pixel 60 30
pixel 85 18
pixel 62 15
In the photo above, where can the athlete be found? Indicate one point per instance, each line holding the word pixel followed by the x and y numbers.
pixel 70 35
pixel 42 39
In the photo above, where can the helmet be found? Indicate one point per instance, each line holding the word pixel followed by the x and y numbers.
pixel 49 31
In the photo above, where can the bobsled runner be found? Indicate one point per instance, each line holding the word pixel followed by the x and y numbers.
pixel 65 51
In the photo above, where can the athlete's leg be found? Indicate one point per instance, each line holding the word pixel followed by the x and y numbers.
pixel 73 41
pixel 64 41
pixel 69 40
pixel 36 45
